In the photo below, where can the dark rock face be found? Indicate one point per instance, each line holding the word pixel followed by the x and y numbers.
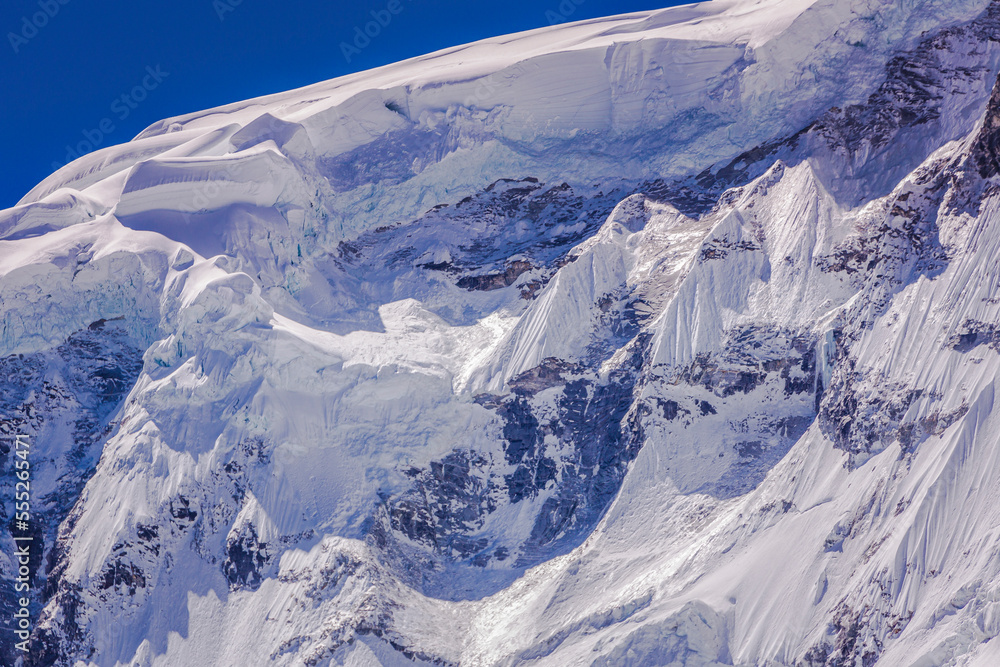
pixel 520 431
pixel 861 423
pixel 777 366
pixel 64 400
pixel 720 248
pixel 851 639
pixel 571 447
pixel 594 430
pixel 973 333
pixel 862 413
pixel 454 496
pixel 125 574
pixel 246 557
pixel 514 233
pixel 493 281
pixel 551 372
pixel 985 152
pixel 447 501
pixel 180 509
pixel 917 88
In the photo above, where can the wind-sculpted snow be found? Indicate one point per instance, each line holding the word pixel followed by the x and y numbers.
pixel 254 178
pixel 666 338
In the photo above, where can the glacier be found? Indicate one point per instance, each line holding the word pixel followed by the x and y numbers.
pixel 668 338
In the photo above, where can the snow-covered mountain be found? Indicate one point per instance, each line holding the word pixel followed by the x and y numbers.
pixel 670 338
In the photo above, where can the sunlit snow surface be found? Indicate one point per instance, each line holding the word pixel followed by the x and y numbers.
pixel 662 339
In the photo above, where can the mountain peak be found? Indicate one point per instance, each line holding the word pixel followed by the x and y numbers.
pixel 985 151
pixel 598 344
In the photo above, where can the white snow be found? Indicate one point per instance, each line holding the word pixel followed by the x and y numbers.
pixel 219 237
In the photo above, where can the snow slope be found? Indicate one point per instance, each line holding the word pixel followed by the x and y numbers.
pixel 662 339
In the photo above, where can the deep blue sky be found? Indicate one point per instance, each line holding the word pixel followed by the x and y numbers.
pixel 63 72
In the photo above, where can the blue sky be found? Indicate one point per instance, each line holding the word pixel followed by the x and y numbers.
pixel 77 74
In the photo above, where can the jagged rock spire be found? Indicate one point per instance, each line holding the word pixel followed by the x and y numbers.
pixel 985 153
